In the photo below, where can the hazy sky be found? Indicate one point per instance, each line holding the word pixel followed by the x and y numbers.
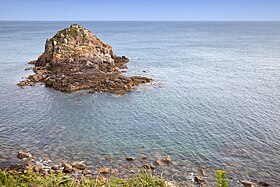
pixel 140 10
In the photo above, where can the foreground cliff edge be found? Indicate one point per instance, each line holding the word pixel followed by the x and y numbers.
pixel 76 59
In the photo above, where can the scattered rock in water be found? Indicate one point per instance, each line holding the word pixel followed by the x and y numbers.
pixel 55 168
pixel 29 68
pixel 79 165
pixel 22 155
pixel 144 157
pixel 167 160
pixel 248 183
pixel 67 168
pixel 130 158
pixel 263 184
pixel 104 170
pixel 38 168
pixel 158 162
pixel 75 59
pixel 148 167
pixel 199 180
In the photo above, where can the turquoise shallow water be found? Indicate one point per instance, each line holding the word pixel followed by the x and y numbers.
pixel 215 101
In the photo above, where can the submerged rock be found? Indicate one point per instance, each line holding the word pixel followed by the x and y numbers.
pixel 248 183
pixel 130 158
pixel 76 59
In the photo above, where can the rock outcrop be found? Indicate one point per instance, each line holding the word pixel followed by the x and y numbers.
pixel 76 59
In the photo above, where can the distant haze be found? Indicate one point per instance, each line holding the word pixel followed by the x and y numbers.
pixel 146 10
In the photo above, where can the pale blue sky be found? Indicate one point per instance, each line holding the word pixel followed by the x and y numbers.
pixel 189 10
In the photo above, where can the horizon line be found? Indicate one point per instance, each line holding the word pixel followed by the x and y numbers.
pixel 145 20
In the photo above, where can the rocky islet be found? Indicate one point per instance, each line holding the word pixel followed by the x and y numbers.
pixel 76 59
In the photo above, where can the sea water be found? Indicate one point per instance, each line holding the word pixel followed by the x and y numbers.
pixel 215 100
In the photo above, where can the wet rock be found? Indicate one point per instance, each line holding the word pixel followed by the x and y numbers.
pixel 55 168
pixel 67 168
pixel 130 158
pixel 248 183
pixel 148 167
pixel 79 165
pixel 144 157
pixel 32 62
pixel 263 184
pixel 158 162
pixel 22 155
pixel 167 160
pixel 29 68
pixel 104 170
pixel 199 180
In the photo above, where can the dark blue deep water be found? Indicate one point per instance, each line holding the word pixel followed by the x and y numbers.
pixel 215 101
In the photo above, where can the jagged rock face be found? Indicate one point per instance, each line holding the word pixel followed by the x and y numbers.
pixel 77 46
pixel 76 59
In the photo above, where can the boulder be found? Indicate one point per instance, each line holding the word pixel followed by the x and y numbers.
pixel 55 168
pixel 67 168
pixel 22 155
pixel 104 170
pixel 166 160
pixel 79 165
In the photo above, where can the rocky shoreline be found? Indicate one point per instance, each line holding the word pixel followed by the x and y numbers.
pixel 75 59
pixel 131 166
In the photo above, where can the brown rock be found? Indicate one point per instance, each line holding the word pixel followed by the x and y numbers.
pixel 22 155
pixel 55 167
pixel 158 162
pixel 104 170
pixel 263 184
pixel 130 158
pixel 199 180
pixel 167 160
pixel 38 168
pixel 149 167
pixel 32 62
pixel 143 157
pixel 248 183
pixel 78 165
pixel 67 167
pixel 75 59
